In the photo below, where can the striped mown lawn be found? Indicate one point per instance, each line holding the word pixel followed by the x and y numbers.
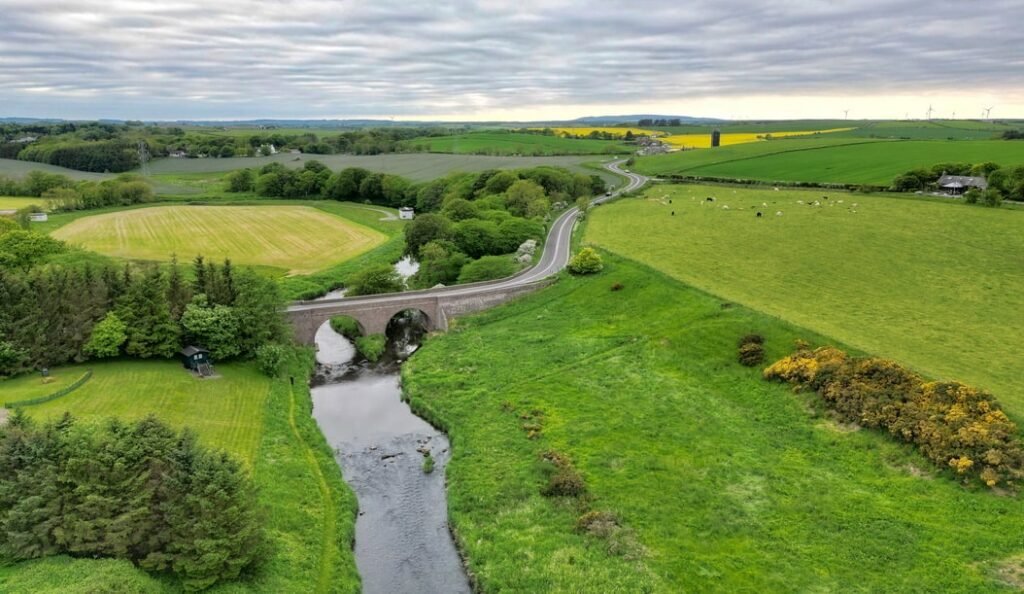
pixel 226 412
pixel 299 239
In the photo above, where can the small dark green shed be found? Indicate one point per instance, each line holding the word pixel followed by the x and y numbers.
pixel 195 358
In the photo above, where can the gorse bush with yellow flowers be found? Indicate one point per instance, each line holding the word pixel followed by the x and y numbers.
pixel 952 424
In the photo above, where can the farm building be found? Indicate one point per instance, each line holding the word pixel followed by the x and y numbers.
pixel 38 217
pixel 406 213
pixel 957 184
pixel 197 359
pixel 716 138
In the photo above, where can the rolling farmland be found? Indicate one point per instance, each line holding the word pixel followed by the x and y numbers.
pixel 930 283
pixel 297 239
pixel 511 143
pixel 714 479
pixel 837 161
pixel 415 166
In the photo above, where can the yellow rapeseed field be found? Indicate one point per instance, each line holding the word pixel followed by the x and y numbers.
pixel 691 141
pixel 619 132
pixel 299 239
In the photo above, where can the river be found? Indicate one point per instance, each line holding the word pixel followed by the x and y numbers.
pixel 403 544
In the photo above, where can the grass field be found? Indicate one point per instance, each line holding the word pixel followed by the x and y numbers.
pixel 12 203
pixel 298 239
pixel 18 169
pixel 836 162
pixel 511 143
pixel 415 166
pixel 729 483
pixel 226 413
pixel 931 283
pixel 931 130
pixel 310 513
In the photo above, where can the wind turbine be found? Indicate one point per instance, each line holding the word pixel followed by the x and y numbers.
pixel 930 110
pixel 846 114
pixel 954 115
pixel 988 112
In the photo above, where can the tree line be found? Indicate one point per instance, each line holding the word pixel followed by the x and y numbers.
pixel 474 223
pixel 137 491
pixel 61 193
pixel 1004 183
pixel 73 312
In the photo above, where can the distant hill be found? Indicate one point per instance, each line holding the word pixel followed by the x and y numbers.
pixel 622 119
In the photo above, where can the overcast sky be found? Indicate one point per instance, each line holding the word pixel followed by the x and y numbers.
pixel 520 59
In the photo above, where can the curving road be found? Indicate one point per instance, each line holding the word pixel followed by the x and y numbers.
pixel 555 257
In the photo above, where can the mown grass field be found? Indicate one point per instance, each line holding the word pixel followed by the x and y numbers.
pixel 18 169
pixel 935 284
pixel 728 482
pixel 298 239
pixel 226 413
pixel 310 513
pixel 842 162
pixel 418 167
pixel 511 143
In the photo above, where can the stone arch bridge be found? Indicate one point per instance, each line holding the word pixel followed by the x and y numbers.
pixel 374 312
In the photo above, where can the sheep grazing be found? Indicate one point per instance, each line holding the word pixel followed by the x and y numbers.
pixel 673 213
pixel 710 199
pixel 799 201
pixel 778 214
pixel 725 207
pixel 758 214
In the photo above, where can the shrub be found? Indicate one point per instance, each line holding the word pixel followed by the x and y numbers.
pixel 562 479
pixel 107 337
pixel 972 196
pixel 951 424
pixel 269 358
pixel 346 326
pixel 488 268
pixel 751 354
pixel 372 346
pixel 374 280
pixel 587 261
pixel 242 180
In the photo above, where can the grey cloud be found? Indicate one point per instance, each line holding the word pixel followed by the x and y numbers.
pixel 306 58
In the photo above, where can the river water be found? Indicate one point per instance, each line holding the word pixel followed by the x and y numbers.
pixel 403 544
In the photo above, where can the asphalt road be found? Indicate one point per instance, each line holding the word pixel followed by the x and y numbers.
pixel 555 257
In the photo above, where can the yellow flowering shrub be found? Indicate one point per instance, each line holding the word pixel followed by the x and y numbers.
pixel 952 424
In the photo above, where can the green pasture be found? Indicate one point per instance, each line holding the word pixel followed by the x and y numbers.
pixel 721 481
pixel 935 284
pixel 838 161
pixel 511 143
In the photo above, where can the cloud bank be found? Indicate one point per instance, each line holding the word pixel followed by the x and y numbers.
pixel 320 58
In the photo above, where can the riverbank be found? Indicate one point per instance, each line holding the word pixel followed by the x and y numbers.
pixel 709 478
